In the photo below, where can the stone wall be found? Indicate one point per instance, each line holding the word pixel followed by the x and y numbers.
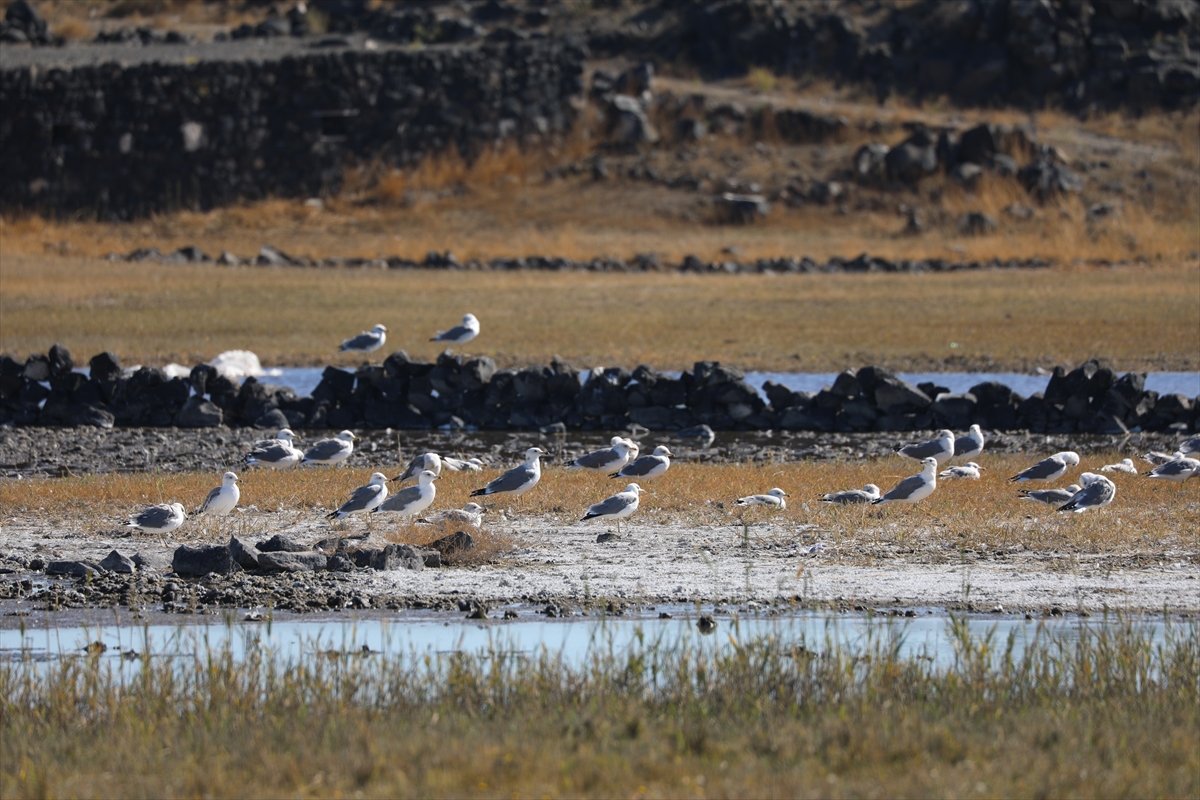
pixel 119 140
pixel 458 392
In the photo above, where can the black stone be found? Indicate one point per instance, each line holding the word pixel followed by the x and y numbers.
pixel 203 559
pixel 280 544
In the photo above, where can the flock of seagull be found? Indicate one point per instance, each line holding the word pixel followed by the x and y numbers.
pixel 622 459
pixel 372 340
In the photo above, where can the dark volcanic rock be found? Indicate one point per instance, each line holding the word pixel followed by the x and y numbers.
pixel 115 562
pixel 280 544
pixel 291 561
pixel 203 559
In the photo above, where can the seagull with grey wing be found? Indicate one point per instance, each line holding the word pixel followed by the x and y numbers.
pixel 915 488
pixel 941 448
pixel 224 498
pixel 1097 492
pixel 461 465
pixel 411 500
pixel 647 467
pixel 329 452
pixel 970 445
pixel 1178 470
pixel 365 342
pixel 618 507
pixel 867 494
pixel 1048 469
pixel 518 480
pixel 277 453
pixel 1156 459
pixel 970 470
pixel 1124 465
pixel 470 514
pixel 159 519
pixel 426 461
pixel 613 457
pixel 1191 447
pixel 1050 497
pixel 459 334
pixel 364 499
pixel 772 499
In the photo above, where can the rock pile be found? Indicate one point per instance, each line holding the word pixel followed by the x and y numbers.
pixel 457 392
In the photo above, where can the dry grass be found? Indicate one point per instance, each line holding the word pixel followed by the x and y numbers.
pixel 1003 319
pixel 1147 518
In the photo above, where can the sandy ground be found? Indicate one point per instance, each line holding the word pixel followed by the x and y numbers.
pixel 552 563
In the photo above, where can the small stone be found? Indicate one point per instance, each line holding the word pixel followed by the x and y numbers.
pixel 280 544
pixel 115 562
pixel 607 536
pixel 242 554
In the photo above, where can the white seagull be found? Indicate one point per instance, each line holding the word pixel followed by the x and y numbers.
pixel 1097 491
pixel 618 507
pixel 159 519
pixel 428 461
pixel 459 465
pixel 941 448
pixel 1050 497
pixel 647 467
pixel 470 514
pixel 867 494
pixel 365 342
pixel 970 445
pixel 411 500
pixel 1178 470
pixel 1048 469
pixel 914 488
pixel 1124 465
pixel 459 334
pixel 277 453
pixel 773 499
pixel 224 498
pixel 969 470
pixel 610 458
pixel 331 451
pixel 1157 459
pixel 1190 447
pixel 365 498
pixel 518 480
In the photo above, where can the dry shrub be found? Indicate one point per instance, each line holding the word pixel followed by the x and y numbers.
pixel 74 29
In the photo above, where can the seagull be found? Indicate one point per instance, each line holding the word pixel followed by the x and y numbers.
pixel 1097 491
pixel 459 334
pixel 159 519
pixel 867 494
pixel 1048 469
pixel 331 451
pixel 459 465
pixel 619 506
pixel 221 500
pixel 412 500
pixel 365 342
pixel 941 448
pixel 968 470
pixel 970 445
pixel 428 461
pixel 518 480
pixel 1178 470
pixel 1157 459
pixel 278 453
pixel 609 458
pixel 773 498
pixel 470 514
pixel 1124 465
pixel 1051 497
pixel 915 487
pixel 365 498
pixel 1190 447
pixel 647 467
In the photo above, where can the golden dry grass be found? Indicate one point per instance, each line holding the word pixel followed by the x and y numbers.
pixel 1147 518
pixel 1004 319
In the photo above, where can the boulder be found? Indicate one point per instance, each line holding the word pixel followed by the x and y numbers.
pixel 893 395
pixel 741 209
pixel 279 561
pixel 115 562
pixel 200 413
pixel 76 569
pixel 242 553
pixel 280 544
pixel 453 544
pixel 203 559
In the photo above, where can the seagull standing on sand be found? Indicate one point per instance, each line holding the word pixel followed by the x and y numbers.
pixel 411 500
pixel 867 494
pixel 428 461
pixel 772 499
pixel 618 507
pixel 1050 497
pixel 518 480
pixel 969 470
pixel 1097 491
pixel 609 458
pixel 1124 465
pixel 915 488
pixel 224 498
pixel 159 519
pixel 331 451
pixel 647 467
pixel 970 445
pixel 365 498
pixel 941 448
pixel 1048 469
pixel 278 453
pixel 1178 470
pixel 459 334
pixel 365 342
